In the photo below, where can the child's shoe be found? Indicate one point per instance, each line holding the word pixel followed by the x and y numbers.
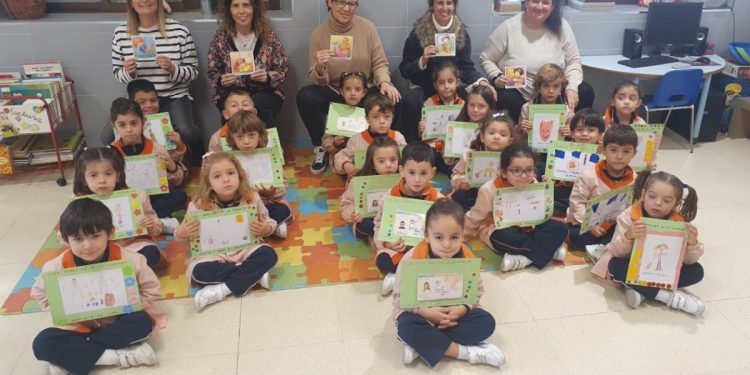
pixel 689 303
pixel 388 281
pixel 409 354
pixel 595 252
pixel 281 230
pixel 207 295
pixel 487 354
pixel 633 298
pixel 170 224
pixel 56 370
pixel 560 253
pixel 512 262
pixel 265 281
pixel 136 355
pixel 320 164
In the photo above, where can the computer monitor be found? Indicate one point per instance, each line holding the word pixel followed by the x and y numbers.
pixel 672 23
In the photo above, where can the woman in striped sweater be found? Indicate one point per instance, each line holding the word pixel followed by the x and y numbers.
pixel 175 66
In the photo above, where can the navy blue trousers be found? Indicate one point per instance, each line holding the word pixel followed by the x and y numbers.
pixel 539 245
pixel 239 278
pixel 366 228
pixel 466 198
pixel 279 212
pixel 166 204
pixel 152 254
pixel 580 241
pixel 690 274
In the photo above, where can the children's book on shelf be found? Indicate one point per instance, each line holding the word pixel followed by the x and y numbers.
pixel 566 160
pixel 439 282
pixel 546 120
pixel 93 291
pixel 446 44
pixel 403 218
pixel 223 231
pixel 482 166
pixel 127 210
pixel 516 76
pixel 41 151
pixel 656 259
pixel 342 47
pixel 45 69
pixel 436 120
pixel 242 62
pixel 458 138
pixel 345 120
pixel 523 207
pixel 147 172
pixel 157 126
pixel 368 190
pixel 144 47
pixel 649 140
pixel 606 207
pixel 263 167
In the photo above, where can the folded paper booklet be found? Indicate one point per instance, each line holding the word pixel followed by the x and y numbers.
pixel 263 167
pixel 606 207
pixel 566 160
pixel 516 76
pixel 224 231
pixel 92 292
pixel 243 62
pixel 446 44
pixel 345 120
pixel 546 120
pixel 157 126
pixel 439 282
pixel 649 140
pixel 146 172
pixel 361 154
pixel 368 190
pixel 144 47
pixel 530 206
pixel 436 119
pixel 482 166
pixel 458 138
pixel 273 142
pixel 342 46
pixel 127 210
pixel 656 259
pixel 403 218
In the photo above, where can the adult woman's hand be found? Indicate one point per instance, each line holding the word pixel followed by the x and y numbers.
pixel 166 63
pixel 259 75
pixel 323 57
pixel 429 52
pixel 230 79
pixel 387 89
pixel 571 97
pixel 131 66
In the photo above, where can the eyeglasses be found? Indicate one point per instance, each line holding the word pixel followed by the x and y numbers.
pixel 341 4
pixel 542 2
pixel 518 172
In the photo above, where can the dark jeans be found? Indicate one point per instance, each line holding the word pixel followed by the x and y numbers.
pixel 279 212
pixel 466 198
pixel 431 343
pixel 366 228
pixel 166 204
pixel 562 196
pixel 539 245
pixel 385 264
pixel 580 241
pixel 689 275
pixel 78 352
pixel 266 103
pixel 238 278
pixel 151 253
pixel 440 164
pixel 512 100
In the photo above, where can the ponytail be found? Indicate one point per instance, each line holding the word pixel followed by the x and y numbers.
pixel 687 205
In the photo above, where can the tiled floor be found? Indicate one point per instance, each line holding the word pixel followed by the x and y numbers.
pixel 551 322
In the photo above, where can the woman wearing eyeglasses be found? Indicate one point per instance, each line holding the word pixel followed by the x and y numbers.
pixel 357 48
pixel 537 36
pixel 420 60
pixel 243 26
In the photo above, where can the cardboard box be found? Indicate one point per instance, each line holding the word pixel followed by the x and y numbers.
pixel 736 70
pixel 739 127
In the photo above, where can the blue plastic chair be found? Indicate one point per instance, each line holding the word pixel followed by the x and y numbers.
pixel 678 89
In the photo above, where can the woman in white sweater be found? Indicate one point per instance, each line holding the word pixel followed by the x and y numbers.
pixel 535 37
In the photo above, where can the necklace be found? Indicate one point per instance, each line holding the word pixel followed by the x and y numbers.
pixel 245 41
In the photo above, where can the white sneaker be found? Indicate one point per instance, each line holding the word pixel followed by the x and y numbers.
pixel 388 281
pixel 57 370
pixel 281 230
pixel 409 354
pixel 170 225
pixel 487 354
pixel 136 355
pixel 689 303
pixel 560 253
pixel 633 298
pixel 265 281
pixel 207 295
pixel 320 163
pixel 512 262
pixel 595 252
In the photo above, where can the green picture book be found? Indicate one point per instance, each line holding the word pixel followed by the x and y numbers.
pixel 403 218
pixel 482 166
pixel 147 172
pixel 458 138
pixel 523 207
pixel 546 120
pixel 566 160
pixel 369 189
pixel 92 292
pixel 223 231
pixel 345 120
pixel 436 120
pixel 657 257
pixel 606 207
pixel 439 282
pixel 157 126
pixel 263 167
pixel 127 210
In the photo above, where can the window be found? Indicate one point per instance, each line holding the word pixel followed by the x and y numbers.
pixel 116 6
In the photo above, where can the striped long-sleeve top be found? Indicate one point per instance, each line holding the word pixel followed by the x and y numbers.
pixel 177 44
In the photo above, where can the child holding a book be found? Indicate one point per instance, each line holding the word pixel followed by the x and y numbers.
pixel 549 83
pixel 353 88
pixel 624 104
pixel 455 331
pixel 237 100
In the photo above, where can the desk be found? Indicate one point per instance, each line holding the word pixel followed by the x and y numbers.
pixel 608 64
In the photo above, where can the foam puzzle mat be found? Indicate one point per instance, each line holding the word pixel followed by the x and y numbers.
pixel 320 248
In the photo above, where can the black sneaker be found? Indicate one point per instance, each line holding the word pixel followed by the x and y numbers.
pixel 320 163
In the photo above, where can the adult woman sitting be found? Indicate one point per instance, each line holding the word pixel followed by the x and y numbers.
pixel 172 71
pixel 535 37
pixel 367 55
pixel 420 60
pixel 244 26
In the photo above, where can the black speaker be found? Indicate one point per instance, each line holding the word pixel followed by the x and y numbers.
pixel 632 44
pixel 699 49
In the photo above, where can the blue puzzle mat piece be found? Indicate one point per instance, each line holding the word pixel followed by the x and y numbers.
pixel 308 207
pixel 344 235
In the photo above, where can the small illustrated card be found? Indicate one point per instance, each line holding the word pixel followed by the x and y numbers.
pixel 657 257
pixel 360 155
pixel 275 142
pixel 144 47
pixel 92 292
pixel 243 63
pixel 439 282
pixel 146 172
pixel 342 46
pixel 263 167
pixel 446 44
pixel 345 120
pixel 516 76
pixel 223 231
pixel 403 218
pixel 566 160
pixel 649 139
pixel 436 120
pixel 546 120
pixel 606 207
pixel 157 127
pixel 482 166
pixel 458 138
pixel 127 210
pixel 369 189
pixel 530 206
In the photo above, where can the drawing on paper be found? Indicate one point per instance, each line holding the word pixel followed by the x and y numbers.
pixel 94 291
pixel 144 47
pixel 409 224
pixel 224 231
pixel 439 286
pixel 373 197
